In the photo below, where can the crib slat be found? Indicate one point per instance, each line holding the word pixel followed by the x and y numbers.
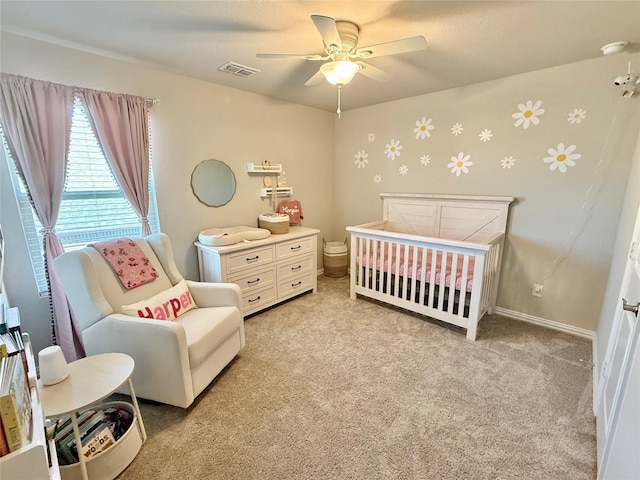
pixel 452 283
pixel 432 277
pixel 443 278
pixel 423 273
pixel 389 267
pixel 374 267
pixel 405 273
pixel 362 268
pixel 462 300
pixel 397 271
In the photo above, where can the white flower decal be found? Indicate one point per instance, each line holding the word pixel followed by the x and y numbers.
pixel 485 135
pixel 508 162
pixel 362 158
pixel 371 137
pixel 425 160
pixel 561 157
pixel 459 164
pixel 377 178
pixel 403 169
pixel 423 127
pixel 392 149
pixel 577 115
pixel 457 129
pixel 528 114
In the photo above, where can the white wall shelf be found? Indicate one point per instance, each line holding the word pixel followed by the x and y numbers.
pixel 264 169
pixel 279 192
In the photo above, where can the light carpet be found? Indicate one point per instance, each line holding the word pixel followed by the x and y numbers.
pixel 330 388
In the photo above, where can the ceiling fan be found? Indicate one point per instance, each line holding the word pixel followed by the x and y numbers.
pixel 340 38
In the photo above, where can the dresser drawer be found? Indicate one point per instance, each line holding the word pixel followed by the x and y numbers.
pixel 254 257
pixel 256 300
pixel 295 285
pixel 295 247
pixel 295 267
pixel 256 279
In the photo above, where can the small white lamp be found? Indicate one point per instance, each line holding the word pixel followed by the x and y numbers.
pixel 53 365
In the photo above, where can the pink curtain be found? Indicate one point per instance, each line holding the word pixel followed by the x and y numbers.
pixel 36 121
pixel 121 125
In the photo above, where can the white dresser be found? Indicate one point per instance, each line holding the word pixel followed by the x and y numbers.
pixel 268 271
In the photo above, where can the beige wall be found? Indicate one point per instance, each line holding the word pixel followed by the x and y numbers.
pixel 548 211
pixel 195 121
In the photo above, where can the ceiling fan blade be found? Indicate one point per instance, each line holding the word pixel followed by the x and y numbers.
pixel 328 30
pixel 291 55
pixel 316 79
pixel 373 72
pixel 410 44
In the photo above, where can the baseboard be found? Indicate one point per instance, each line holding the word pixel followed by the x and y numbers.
pixel 580 332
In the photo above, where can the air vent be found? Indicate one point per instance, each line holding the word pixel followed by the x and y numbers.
pixel 237 69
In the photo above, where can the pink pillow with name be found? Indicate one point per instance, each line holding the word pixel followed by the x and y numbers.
pixel 167 305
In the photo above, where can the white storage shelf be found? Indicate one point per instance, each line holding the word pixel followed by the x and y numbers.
pixel 279 191
pixel 264 169
pixel 31 462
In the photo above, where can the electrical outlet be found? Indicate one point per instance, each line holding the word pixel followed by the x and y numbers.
pixel 536 291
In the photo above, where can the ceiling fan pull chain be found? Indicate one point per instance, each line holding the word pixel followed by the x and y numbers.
pixel 339 111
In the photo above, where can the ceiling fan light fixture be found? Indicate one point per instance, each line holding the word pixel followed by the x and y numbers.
pixel 339 72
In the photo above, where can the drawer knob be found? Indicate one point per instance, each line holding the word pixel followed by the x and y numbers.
pixel 293 269
pixel 252 259
pixel 297 284
pixel 251 282
pixel 297 247
pixel 251 300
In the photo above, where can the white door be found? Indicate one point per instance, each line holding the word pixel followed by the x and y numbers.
pixel 619 393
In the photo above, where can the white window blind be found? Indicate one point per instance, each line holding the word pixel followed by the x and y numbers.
pixel 93 206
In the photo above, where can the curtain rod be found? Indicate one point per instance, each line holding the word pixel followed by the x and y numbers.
pixel 150 101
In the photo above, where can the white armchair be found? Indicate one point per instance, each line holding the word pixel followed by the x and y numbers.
pixel 174 360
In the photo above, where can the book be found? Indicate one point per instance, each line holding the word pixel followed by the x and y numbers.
pixel 15 402
pixel 8 345
pixel 4 445
pixel 13 345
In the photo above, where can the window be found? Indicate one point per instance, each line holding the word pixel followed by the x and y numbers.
pixel 93 206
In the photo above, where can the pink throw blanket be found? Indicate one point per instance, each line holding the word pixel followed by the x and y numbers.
pixel 128 262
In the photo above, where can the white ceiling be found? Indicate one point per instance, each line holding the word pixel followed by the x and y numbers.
pixel 468 41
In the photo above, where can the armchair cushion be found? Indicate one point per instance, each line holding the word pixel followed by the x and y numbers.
pixel 166 305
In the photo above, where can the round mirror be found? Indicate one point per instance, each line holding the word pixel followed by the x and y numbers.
pixel 213 182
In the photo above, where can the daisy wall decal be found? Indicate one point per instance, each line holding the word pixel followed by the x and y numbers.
pixel 485 135
pixel 404 169
pixel 508 162
pixel 377 178
pixel 425 160
pixel 460 164
pixel 577 115
pixel 560 158
pixel 362 158
pixel 392 149
pixel 371 137
pixel 457 129
pixel 423 128
pixel 528 114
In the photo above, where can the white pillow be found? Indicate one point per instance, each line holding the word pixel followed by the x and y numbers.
pixel 167 305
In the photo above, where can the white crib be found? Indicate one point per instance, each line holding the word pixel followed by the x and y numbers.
pixel 437 255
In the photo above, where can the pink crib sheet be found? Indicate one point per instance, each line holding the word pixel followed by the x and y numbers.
pixel 399 266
